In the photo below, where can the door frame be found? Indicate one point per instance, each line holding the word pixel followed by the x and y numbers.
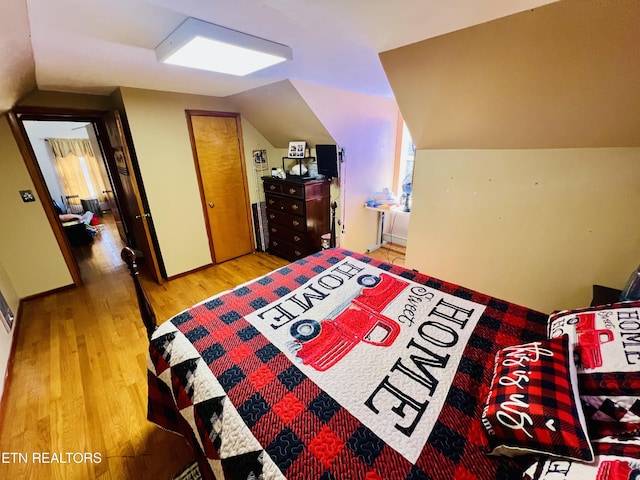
pixel 245 179
pixel 96 118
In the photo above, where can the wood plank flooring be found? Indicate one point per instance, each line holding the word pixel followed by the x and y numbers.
pixel 76 399
pixel 78 384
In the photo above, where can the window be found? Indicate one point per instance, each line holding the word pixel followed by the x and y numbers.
pixel 405 158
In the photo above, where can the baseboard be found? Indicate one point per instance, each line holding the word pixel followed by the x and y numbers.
pixel 189 272
pixel 395 239
pixel 48 292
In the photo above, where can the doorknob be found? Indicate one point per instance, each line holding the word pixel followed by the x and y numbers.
pixel 210 204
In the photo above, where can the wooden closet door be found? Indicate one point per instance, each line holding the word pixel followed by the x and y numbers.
pixel 223 184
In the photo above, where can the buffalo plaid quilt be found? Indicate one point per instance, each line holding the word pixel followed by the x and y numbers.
pixel 249 412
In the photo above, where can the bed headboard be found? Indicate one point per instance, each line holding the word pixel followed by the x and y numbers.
pixel 146 310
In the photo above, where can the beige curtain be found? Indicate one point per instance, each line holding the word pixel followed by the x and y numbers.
pixel 71 154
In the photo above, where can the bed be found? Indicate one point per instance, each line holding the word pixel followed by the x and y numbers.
pixel 337 366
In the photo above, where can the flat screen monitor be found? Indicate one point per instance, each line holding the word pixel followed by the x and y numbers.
pixel 327 157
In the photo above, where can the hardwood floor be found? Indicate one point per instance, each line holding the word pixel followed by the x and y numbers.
pixel 78 383
pixel 76 400
pixel 390 253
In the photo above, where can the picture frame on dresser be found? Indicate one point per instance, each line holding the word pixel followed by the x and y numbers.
pixel 297 149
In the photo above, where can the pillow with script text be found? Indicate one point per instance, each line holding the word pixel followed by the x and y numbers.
pixel 533 404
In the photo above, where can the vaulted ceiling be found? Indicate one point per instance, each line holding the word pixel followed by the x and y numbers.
pixel 96 46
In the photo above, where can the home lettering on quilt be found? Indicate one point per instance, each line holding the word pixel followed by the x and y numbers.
pixel 294 305
pixel 438 331
pixel 418 295
pixel 629 325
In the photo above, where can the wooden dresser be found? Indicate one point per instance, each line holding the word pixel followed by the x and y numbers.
pixel 297 215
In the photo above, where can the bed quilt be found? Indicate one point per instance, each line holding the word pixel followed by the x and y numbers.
pixel 337 366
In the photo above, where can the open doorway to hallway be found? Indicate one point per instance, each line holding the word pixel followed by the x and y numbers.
pixel 75 176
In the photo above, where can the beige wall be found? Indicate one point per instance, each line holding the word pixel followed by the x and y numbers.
pixel 534 227
pixel 161 140
pixel 515 191
pixel 29 251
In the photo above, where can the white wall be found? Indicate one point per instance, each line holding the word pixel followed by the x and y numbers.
pixel 365 126
pixel 535 227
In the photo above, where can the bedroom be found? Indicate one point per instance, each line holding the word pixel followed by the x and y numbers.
pixel 557 213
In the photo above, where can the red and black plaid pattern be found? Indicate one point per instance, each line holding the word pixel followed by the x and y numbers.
pixel 624 446
pixel 533 402
pixel 611 400
pixel 306 433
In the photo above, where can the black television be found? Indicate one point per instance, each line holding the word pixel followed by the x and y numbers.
pixel 327 157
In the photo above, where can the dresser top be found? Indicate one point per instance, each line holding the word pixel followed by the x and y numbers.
pixel 296 180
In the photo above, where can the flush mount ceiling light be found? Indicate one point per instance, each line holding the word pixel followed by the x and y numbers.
pixel 206 46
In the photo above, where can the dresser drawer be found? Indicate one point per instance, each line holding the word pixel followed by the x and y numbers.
pixel 285 204
pixel 284 188
pixel 272 187
pixel 286 220
pixel 293 237
pixel 286 250
pixel 292 190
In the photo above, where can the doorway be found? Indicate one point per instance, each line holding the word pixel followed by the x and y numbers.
pixel 222 177
pixel 123 196
pixel 75 174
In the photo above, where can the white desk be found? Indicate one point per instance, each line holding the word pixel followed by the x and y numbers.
pixel 382 211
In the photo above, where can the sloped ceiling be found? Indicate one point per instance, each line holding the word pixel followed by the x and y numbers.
pixel 566 75
pixel 17 65
pixel 281 114
pixel 93 47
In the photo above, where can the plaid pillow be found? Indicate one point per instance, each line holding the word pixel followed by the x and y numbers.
pixel 533 404
pixel 607 341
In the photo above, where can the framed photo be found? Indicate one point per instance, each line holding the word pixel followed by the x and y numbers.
pixel 6 314
pixel 296 149
pixel 260 162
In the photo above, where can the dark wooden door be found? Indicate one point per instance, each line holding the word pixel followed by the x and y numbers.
pixel 136 218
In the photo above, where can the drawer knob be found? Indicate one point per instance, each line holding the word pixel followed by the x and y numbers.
pixel 271 201
pixel 296 223
pixel 292 190
pixel 272 216
pixel 294 207
pixel 272 187
pixel 298 253
pixel 275 244
pixel 296 238
pixel 274 230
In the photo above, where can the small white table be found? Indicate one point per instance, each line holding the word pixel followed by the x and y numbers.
pixel 382 211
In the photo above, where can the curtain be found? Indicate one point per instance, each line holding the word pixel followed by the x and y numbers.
pixel 78 167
